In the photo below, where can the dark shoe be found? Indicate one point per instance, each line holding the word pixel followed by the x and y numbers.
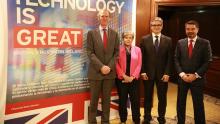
pixel 161 120
pixel 136 122
pixel 146 122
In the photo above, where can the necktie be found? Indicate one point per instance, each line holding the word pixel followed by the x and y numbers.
pixel 190 48
pixel 105 40
pixel 156 43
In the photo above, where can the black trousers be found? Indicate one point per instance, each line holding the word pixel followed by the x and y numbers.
pixel 131 89
pixel 148 99
pixel 196 89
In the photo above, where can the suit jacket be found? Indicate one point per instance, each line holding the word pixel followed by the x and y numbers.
pixel 136 61
pixel 201 57
pixel 99 56
pixel 156 63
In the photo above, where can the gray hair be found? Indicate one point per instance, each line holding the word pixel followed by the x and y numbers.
pixel 156 19
pixel 127 33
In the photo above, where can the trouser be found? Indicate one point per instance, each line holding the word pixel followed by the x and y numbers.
pixel 148 99
pixel 131 89
pixel 196 89
pixel 97 88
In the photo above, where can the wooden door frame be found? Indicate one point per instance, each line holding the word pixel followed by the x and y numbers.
pixel 156 3
pixel 154 12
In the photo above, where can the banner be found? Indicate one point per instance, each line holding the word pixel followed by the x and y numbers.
pixel 47 62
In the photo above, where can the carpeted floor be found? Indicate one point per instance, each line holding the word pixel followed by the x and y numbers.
pixel 212 109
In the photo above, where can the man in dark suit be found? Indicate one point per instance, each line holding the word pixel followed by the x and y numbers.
pixel 156 61
pixel 192 57
pixel 102 50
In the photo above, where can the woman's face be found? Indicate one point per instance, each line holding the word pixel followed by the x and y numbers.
pixel 128 39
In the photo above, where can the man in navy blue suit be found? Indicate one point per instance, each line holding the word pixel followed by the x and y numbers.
pixel 156 50
pixel 192 57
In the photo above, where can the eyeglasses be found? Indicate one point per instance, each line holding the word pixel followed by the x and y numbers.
pixel 156 25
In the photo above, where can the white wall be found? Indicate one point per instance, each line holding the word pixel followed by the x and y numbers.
pixel 3 56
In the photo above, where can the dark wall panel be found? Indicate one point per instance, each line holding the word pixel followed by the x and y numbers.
pixel 147 9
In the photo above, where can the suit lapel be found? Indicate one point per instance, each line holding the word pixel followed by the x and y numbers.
pixel 185 46
pixel 109 38
pixel 151 44
pixel 196 47
pixel 161 43
pixel 99 38
pixel 124 53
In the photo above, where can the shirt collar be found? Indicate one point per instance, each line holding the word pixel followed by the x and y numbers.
pixel 194 39
pixel 153 34
pixel 100 28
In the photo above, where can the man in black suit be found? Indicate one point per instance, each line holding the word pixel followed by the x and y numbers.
pixel 192 57
pixel 156 61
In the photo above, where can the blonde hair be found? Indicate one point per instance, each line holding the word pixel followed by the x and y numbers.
pixel 102 11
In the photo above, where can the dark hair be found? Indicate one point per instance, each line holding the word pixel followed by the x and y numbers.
pixel 192 22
